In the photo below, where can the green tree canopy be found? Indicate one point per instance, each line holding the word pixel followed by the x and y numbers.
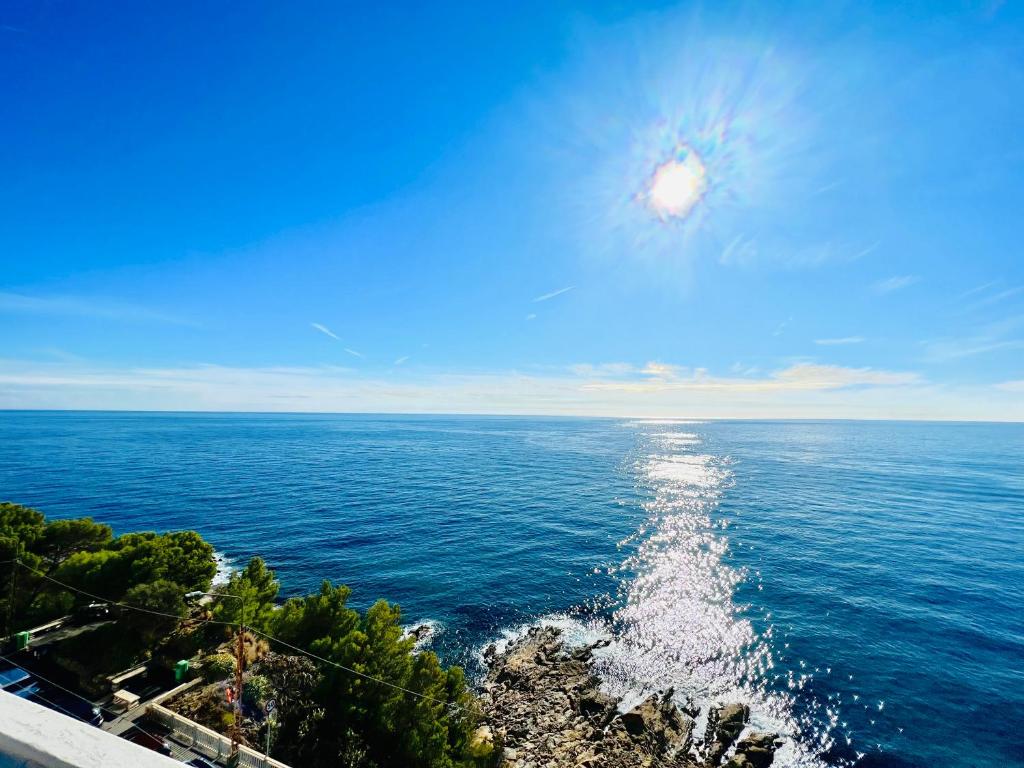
pixel 62 538
pixel 256 587
pixel 367 700
pixel 163 606
pixel 400 708
pixel 141 558
pixel 84 555
pixel 320 618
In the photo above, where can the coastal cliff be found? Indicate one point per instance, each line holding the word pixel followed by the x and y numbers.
pixel 543 706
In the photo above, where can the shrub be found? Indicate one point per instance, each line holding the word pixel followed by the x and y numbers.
pixel 218 667
pixel 255 690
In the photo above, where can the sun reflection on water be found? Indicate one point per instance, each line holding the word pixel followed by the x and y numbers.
pixel 678 624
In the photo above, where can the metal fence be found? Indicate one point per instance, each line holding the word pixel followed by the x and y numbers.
pixel 210 743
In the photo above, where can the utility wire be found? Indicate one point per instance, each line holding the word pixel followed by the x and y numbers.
pixel 54 705
pixel 448 704
pixel 113 712
pixel 114 602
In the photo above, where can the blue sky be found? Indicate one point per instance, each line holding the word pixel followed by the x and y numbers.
pixel 456 208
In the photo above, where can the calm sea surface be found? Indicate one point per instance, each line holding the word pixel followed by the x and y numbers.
pixel 860 584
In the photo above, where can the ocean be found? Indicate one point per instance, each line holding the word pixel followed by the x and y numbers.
pixel 860 584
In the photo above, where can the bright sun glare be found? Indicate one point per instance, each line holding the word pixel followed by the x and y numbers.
pixel 677 185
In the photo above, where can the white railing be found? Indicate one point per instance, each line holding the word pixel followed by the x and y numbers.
pixel 199 738
pixel 166 695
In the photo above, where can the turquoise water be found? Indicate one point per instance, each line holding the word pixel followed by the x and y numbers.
pixel 861 584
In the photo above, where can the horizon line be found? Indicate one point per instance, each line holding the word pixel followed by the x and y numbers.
pixel 498 414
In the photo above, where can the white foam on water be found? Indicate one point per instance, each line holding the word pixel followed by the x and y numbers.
pixel 575 634
pixel 434 628
pixel 225 567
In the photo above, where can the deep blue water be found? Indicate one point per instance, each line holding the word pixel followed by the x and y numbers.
pixel 860 583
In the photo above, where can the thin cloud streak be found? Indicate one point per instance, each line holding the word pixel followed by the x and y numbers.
pixel 325 330
pixel 559 292
pixel 978 289
pixel 840 341
pixel 869 250
pixel 83 307
pixel 895 283
pixel 995 298
pixel 352 352
pixel 992 337
pixel 946 350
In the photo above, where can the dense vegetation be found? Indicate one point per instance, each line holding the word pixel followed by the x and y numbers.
pixel 361 697
pixel 146 569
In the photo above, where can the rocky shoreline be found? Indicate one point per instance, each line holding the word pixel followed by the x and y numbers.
pixel 543 708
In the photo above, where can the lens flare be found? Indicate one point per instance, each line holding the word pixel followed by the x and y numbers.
pixel 677 185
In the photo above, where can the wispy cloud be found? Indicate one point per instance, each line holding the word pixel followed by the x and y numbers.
pixel 82 306
pixel 532 316
pixel 995 298
pixel 742 251
pixel 800 377
pixel 978 289
pixel 739 252
pixel 602 370
pixel 325 330
pixel 865 251
pixel 328 332
pixel 559 292
pixel 401 360
pixel 945 350
pixel 895 283
pixel 617 389
pixel 1011 386
pixel 660 370
pixel 840 341
pixel 997 336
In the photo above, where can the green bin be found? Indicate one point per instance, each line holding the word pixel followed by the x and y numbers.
pixel 181 670
pixel 21 640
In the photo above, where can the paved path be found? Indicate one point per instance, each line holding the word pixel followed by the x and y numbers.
pixel 136 717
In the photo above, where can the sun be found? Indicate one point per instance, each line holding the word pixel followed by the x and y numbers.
pixel 677 185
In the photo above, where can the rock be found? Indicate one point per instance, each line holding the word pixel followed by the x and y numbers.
pixel 596 706
pixel 658 721
pixel 756 750
pixel 490 653
pixel 521 668
pixel 724 724
pixel 544 706
pixel 420 633
pixel 586 652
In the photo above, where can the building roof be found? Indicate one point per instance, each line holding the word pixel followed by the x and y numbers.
pixel 32 736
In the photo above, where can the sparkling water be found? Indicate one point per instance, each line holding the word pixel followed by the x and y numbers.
pixel 859 584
